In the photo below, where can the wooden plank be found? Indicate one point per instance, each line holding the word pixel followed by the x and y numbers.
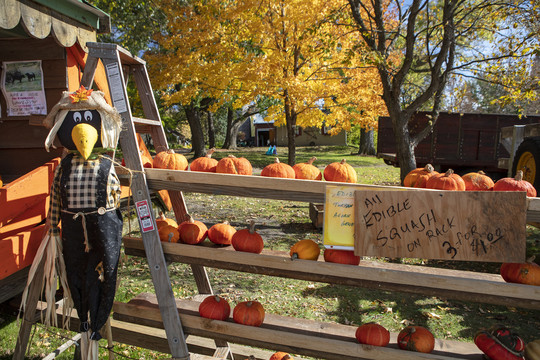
pixel 450 284
pixel 13 285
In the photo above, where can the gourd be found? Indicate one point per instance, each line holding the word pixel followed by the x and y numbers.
pixel 419 176
pixel 478 181
pixel 278 169
pixel 215 307
pixel 249 313
pixel 341 257
pixel 221 233
pixel 515 184
pixel 205 163
pixel 167 229
pixel 499 343
pixel 532 350
pixel 192 231
pixel 234 165
pixel 340 171
pixel 307 171
pixel 447 181
pixel 248 240
pixel 522 273
pixel 305 249
pixel 280 355
pixel 416 338
pixel 372 334
pixel 170 160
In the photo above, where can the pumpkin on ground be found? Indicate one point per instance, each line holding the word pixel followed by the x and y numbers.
pixel 500 343
pixel 167 229
pixel 248 240
pixel 249 313
pixel 419 176
pixel 478 181
pixel 532 350
pixel 281 355
pixel 447 181
pixel 221 233
pixel 340 171
pixel 192 231
pixel 170 160
pixel 307 171
pixel 515 184
pixel 215 307
pixel 522 273
pixel 305 249
pixel 205 163
pixel 278 169
pixel 416 338
pixel 233 165
pixel 372 334
pixel 341 256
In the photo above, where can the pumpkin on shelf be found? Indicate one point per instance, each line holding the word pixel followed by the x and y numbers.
pixel 532 350
pixel 341 172
pixel 478 181
pixel 249 313
pixel 233 165
pixel 167 229
pixel 306 249
pixel 419 176
pixel 515 184
pixel 278 169
pixel 171 160
pixel 205 163
pixel 192 231
pixel 215 307
pixel 521 273
pixel 146 159
pixel 416 338
pixel 221 233
pixel 341 257
pixel 307 171
pixel 447 181
pixel 281 355
pixel 248 240
pixel 500 342
pixel 372 334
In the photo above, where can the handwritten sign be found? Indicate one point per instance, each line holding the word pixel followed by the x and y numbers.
pixel 449 225
pixel 338 225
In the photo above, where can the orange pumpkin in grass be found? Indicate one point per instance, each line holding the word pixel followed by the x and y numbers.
pixel 478 181
pixel 192 231
pixel 170 160
pixel 205 163
pixel 419 176
pixel 307 171
pixel 221 233
pixel 248 240
pixel 278 169
pixel 233 165
pixel 416 338
pixel 447 181
pixel 215 307
pixel 341 256
pixel 515 184
pixel 280 355
pixel 249 313
pixel 372 334
pixel 340 171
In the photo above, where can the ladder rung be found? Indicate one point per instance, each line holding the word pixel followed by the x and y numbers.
pixel 142 121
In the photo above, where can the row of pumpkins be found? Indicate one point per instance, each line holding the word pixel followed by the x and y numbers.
pixel 428 178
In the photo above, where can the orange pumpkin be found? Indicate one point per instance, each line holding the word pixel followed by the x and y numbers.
pixel 416 338
pixel 278 169
pixel 372 334
pixel 221 233
pixel 305 249
pixel 307 171
pixel 215 307
pixel 234 165
pixel 515 184
pixel 167 229
pixel 447 181
pixel 170 160
pixel 146 159
pixel 422 174
pixel 280 355
pixel 192 231
pixel 248 240
pixel 478 181
pixel 205 163
pixel 341 257
pixel 340 171
pixel 522 273
pixel 162 220
pixel 249 313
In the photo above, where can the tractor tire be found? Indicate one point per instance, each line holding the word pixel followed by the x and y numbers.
pixel 527 158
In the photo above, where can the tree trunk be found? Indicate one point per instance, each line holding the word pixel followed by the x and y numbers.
pixel 367 143
pixel 234 132
pixel 211 130
pixel 404 147
pixel 193 115
pixel 290 117
pixel 230 116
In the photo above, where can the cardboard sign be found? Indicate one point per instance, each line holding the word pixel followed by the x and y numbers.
pixel 338 226
pixel 449 225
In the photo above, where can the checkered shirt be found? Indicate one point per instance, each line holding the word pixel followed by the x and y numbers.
pixel 81 190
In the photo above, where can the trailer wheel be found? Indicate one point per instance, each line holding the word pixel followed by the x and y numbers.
pixel 527 158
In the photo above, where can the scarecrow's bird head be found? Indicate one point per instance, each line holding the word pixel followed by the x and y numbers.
pixel 81 130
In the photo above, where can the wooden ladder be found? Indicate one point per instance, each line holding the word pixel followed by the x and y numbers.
pixel 119 64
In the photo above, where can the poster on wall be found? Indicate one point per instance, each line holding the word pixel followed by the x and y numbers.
pixel 22 87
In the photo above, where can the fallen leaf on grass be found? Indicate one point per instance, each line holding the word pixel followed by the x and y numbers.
pixel 431 315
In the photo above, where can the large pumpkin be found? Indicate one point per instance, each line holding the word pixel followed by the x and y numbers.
pixel 447 181
pixel 478 181
pixel 419 176
pixel 233 165
pixel 416 338
pixel 221 233
pixel 281 355
pixel 278 169
pixel 305 249
pixel 205 163
pixel 248 240
pixel 192 231
pixel 500 343
pixel 522 273
pixel 215 307
pixel 170 160
pixel 341 257
pixel 372 334
pixel 249 313
pixel 515 184
pixel 532 350
pixel 340 171
pixel 307 171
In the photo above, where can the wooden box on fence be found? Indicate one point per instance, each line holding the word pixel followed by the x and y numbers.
pixel 316 213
